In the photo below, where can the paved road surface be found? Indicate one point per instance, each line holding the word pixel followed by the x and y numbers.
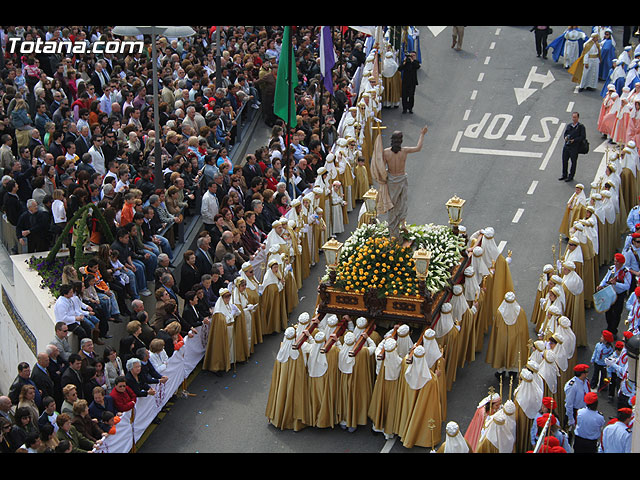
pixel 497 150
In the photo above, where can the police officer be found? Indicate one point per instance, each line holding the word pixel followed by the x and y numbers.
pixel 620 278
pixel 632 262
pixel 633 307
pixel 621 368
pixel 633 218
pixel 574 391
pixel 547 408
pixel 589 424
pixel 616 437
pixel 629 238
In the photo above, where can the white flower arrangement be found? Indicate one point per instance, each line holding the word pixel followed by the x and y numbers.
pixel 446 251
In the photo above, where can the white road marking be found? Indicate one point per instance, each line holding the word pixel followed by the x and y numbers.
pixel 547 157
pixel 474 94
pixel 570 107
pixel 492 46
pixel 532 188
pixel 436 30
pixel 516 217
pixel 481 76
pixel 487 60
pixel 388 445
pixel 522 93
pixel 466 115
pixel 503 153
pixel 498 30
pixel 501 246
pixel 456 141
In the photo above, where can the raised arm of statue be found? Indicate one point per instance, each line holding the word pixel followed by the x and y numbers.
pixel 418 147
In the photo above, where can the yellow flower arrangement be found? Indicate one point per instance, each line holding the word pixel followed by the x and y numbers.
pixel 371 268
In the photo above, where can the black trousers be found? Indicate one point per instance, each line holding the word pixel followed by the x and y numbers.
pixel 623 401
pixel 584 445
pixel 81 330
pixel 599 374
pixel 408 94
pixel 614 383
pixel 569 153
pixel 541 42
pixel 613 314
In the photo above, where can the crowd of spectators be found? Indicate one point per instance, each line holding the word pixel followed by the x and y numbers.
pixel 78 130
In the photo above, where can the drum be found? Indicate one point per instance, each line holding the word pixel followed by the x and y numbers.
pixel 604 299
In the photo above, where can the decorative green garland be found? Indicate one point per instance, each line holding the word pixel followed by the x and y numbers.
pixel 82 214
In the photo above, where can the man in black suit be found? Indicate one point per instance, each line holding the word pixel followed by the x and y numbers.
pixel 251 169
pixel 34 228
pixel 254 187
pixel 306 174
pixel 56 365
pixel 409 69
pixel 204 258
pixel 574 135
pixel 23 378
pixel 144 183
pixel 83 142
pixel 168 283
pixel 72 376
pixel 86 164
pixel 55 147
pixel 71 135
pixel 40 376
pixel 12 205
pixel 23 177
pixel 100 78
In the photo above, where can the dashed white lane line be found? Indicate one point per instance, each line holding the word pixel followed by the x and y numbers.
pixel 474 94
pixel 492 46
pixel 498 30
pixel 532 187
pixel 481 76
pixel 466 115
pixel 516 217
pixel 487 60
pixel 501 246
pixel 570 107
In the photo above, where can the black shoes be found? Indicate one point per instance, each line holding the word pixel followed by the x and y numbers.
pixel 562 179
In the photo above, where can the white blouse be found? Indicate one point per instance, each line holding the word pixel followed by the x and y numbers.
pixel 58 211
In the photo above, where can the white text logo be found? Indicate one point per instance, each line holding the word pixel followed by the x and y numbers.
pixel 38 46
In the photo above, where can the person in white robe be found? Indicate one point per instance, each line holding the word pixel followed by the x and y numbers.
pixel 337 204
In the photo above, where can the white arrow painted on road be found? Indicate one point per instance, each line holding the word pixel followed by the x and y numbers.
pixel 602 148
pixel 436 30
pixel 525 92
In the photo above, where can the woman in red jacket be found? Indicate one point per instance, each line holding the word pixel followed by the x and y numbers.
pixel 123 397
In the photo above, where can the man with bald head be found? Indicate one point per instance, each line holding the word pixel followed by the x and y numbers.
pixel 137 306
pixel 5 408
pixel 55 368
pixel 40 376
